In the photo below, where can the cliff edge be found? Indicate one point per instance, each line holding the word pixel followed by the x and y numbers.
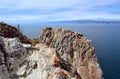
pixel 75 52
pixel 9 31
pixel 60 54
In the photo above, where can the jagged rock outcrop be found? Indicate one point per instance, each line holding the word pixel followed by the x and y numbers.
pixel 11 32
pixel 61 54
pixel 14 55
pixel 75 52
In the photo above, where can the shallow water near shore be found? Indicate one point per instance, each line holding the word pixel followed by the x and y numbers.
pixel 105 38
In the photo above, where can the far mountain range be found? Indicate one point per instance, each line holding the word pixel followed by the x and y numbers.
pixel 88 21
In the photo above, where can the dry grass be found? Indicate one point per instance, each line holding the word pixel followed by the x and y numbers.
pixel 34 42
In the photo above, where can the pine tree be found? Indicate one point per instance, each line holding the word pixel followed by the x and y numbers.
pixel 18 27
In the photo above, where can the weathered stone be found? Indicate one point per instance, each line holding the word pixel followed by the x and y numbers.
pixel 9 31
pixel 62 54
pixel 13 55
pixel 75 49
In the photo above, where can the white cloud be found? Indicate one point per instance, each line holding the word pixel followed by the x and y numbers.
pixel 81 10
pixel 38 4
pixel 52 4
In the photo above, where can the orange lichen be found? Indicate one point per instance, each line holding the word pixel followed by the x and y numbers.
pixel 56 63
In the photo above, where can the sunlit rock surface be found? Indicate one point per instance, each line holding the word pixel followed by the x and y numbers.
pixel 75 52
pixel 61 54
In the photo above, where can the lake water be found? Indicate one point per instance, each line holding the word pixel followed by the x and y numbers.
pixel 105 37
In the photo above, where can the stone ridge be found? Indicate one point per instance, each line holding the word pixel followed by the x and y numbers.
pixel 74 48
pixel 9 31
pixel 59 54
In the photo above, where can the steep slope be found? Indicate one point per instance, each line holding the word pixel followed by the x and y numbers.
pixel 9 31
pixel 76 53
pixel 59 54
pixel 13 55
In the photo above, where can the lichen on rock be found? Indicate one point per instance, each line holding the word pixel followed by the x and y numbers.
pixel 75 52
pixel 60 54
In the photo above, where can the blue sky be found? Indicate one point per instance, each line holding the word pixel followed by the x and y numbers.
pixel 58 10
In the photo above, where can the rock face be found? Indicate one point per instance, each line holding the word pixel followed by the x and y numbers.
pixel 13 56
pixel 75 53
pixel 61 54
pixel 11 32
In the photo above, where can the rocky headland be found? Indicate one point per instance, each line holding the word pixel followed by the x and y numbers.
pixel 56 54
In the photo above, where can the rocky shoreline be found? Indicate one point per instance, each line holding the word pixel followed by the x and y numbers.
pixel 58 54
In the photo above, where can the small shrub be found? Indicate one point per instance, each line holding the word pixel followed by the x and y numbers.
pixel 34 42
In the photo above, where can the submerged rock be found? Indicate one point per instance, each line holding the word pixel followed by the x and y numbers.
pixel 61 54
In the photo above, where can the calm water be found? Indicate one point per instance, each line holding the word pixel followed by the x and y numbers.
pixel 105 37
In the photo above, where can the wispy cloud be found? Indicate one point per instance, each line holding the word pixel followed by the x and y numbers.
pixel 54 10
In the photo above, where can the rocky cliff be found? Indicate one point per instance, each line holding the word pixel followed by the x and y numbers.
pixel 9 31
pixel 60 54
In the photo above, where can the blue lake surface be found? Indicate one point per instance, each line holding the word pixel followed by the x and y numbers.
pixel 105 37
